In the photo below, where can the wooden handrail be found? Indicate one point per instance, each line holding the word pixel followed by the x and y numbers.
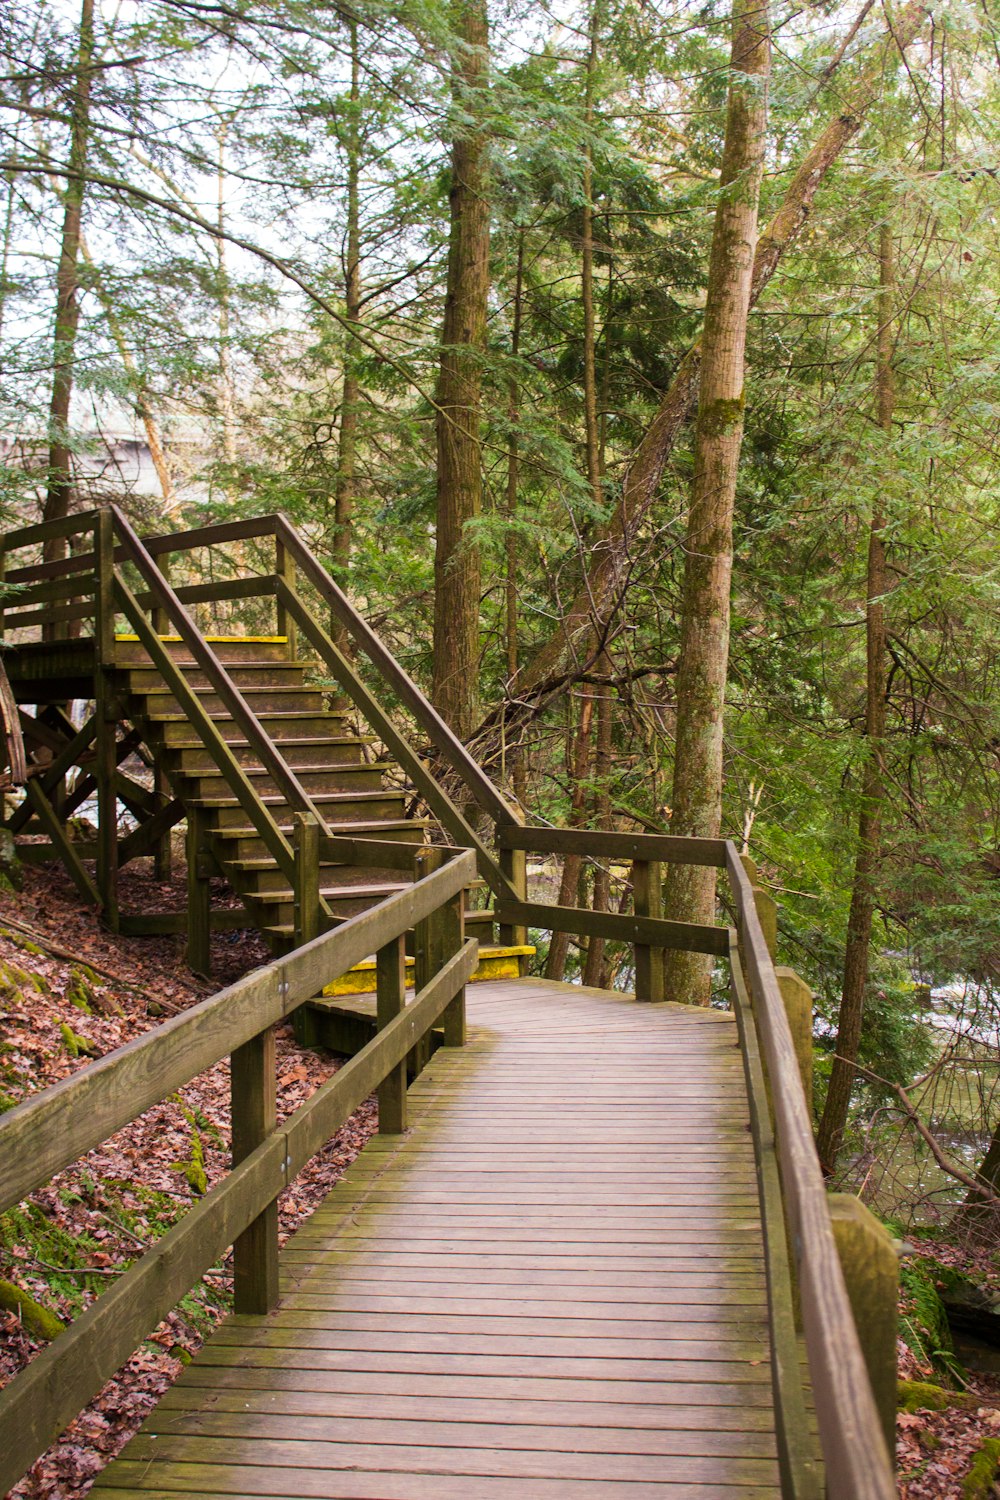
pixel 437 731
pixel 667 848
pixel 650 932
pixel 436 797
pixel 53 1128
pixel 46 531
pixel 857 1462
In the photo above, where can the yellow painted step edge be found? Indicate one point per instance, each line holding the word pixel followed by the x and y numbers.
pixel 256 640
pixel 494 963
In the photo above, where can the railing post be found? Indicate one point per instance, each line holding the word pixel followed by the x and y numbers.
pixel 871 1271
pixel 305 848
pixel 254 1115
pixel 199 896
pixel 767 907
pixel 647 896
pixel 159 618
pixel 436 939
pixel 798 999
pixel 284 566
pixel 105 744
pixel 514 865
pixel 390 998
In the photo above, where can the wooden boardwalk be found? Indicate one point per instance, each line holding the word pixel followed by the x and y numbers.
pixel 551 1289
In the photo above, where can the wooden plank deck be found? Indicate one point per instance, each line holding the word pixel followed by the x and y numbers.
pixel 550 1289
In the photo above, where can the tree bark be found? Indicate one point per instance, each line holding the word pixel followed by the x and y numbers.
pixel 595 969
pixel 708 555
pixel 576 764
pixel 515 754
pixel 862 911
pixel 611 551
pixel 345 490
pixel 457 570
pixel 59 492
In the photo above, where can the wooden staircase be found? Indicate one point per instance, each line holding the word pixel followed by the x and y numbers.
pixel 318 743
pixel 294 775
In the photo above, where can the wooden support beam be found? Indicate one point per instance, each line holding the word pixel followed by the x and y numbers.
pixel 390 999
pixel 305 847
pixel 70 755
pixel 254 1116
pixel 199 899
pixel 149 836
pixel 647 897
pixel 61 841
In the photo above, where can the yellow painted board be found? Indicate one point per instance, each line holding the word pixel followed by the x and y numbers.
pixel 258 640
pixel 494 963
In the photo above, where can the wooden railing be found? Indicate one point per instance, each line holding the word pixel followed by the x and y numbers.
pixel 51 1129
pixel 794 1201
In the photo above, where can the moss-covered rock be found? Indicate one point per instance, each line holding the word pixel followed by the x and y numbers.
pixel 979 1483
pixel 921 1395
pixel 923 1321
pixel 39 1321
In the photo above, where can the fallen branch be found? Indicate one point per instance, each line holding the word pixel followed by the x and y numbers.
pixel 984 1194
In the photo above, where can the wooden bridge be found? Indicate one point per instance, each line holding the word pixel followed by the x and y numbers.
pixel 590 1252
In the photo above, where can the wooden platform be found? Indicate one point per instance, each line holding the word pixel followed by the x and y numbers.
pixel 551 1287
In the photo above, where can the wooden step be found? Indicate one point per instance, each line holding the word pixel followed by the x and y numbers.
pixel 175 728
pixel 274 908
pixel 160 702
pixel 361 777
pixel 235 844
pixel 189 756
pixel 340 807
pixel 228 648
pixel 245 675
pixel 260 875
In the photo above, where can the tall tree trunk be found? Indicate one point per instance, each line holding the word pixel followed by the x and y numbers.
pixel 978 1206
pixel 611 554
pixel 226 401
pixel 60 478
pixel 346 486
pixel 595 969
pixel 457 582
pixel 577 761
pixel 515 754
pixel 859 921
pixel 708 555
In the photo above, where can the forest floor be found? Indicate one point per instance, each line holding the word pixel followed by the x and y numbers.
pixel 69 991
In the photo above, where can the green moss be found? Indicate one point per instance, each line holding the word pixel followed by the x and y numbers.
pixel 979 1482
pixel 38 1320
pixel 6 1102
pixel 194 1167
pixel 25 944
pixel 76 1045
pixel 15 980
pixel 925 1329
pixel 721 416
pixel 920 1395
pixel 79 992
